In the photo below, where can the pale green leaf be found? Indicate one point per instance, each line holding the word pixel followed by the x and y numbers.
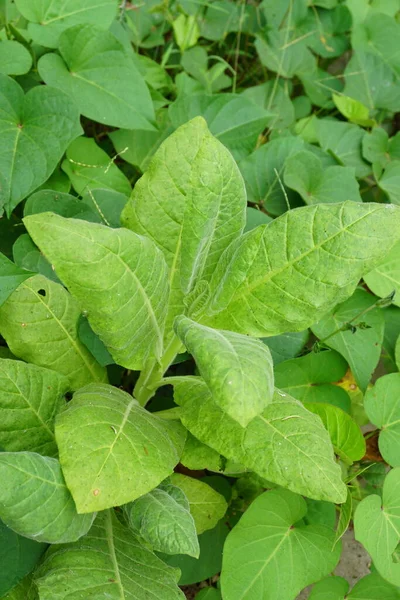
pixel 15 59
pixel 255 561
pixel 11 276
pixel 286 275
pixel 355 329
pixel 305 174
pixel 198 456
pixel 109 562
pixel 192 203
pixel 39 323
pixel 111 450
pixel 35 502
pixel 35 130
pixel 49 18
pixel 371 587
pixel 346 436
pixel 353 110
pixel 186 31
pixel 99 75
pixel 377 527
pixel 207 506
pixel 237 369
pixel 89 167
pixel 385 278
pixel 287 444
pixel 382 405
pixel 30 398
pixel 119 278
pixel 162 518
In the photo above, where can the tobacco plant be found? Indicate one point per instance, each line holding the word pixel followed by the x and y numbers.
pixel 195 295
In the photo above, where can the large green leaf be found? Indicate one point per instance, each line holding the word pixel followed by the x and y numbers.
pixel 39 323
pixel 35 502
pixel 49 18
pixel 99 75
pixel 382 405
pixel 120 279
pixel 89 168
pixel 309 378
pixel 285 275
pixel 30 398
pixel 380 34
pixel 236 368
pixel 305 174
pixel 18 557
pixel 109 562
pixel 355 329
pixel 111 450
pixel 255 562
pixel 191 202
pixel 162 518
pixel 385 278
pixel 377 527
pixel 286 444
pixel 371 587
pixel 378 147
pixel 11 276
pixel 15 59
pixel 346 436
pixel 206 505
pixel 35 130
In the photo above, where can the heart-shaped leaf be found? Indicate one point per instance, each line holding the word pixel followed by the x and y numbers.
pixel 35 129
pixel 15 59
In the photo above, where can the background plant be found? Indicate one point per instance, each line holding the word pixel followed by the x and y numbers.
pixel 198 309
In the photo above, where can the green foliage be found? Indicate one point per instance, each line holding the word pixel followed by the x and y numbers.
pixel 199 298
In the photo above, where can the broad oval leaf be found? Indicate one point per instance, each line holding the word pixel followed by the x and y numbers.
pixel 39 323
pixel 237 369
pixel 15 59
pixel 35 502
pixel 287 444
pixel 49 18
pixel 119 278
pixel 207 506
pixel 377 527
pixel 382 405
pixel 99 75
pixel 30 398
pixel 255 563
pixel 108 562
pixel 285 275
pixel 346 436
pixel 35 130
pixel 162 518
pixel 111 450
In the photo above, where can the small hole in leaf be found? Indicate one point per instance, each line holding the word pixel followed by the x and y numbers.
pixel 42 292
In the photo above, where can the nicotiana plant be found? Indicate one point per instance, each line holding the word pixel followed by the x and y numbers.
pixel 199 351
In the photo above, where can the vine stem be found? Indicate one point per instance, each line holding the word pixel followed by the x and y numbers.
pixel 151 376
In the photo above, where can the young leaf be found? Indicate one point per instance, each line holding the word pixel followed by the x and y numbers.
pixel 361 347
pixel 36 130
pixel 255 550
pixel 35 502
pixel 382 405
pixel 309 378
pixel 346 436
pixel 118 277
pixel 286 444
pixel 39 323
pixel 89 168
pixel 109 562
pixel 258 287
pixel 192 203
pixel 96 72
pixel 305 174
pixel 162 518
pixel 207 506
pixel 30 398
pixel 50 18
pixel 11 276
pixel 385 278
pixel 111 450
pixel 18 557
pixel 377 527
pixel 15 59
pixel 354 110
pixel 237 369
